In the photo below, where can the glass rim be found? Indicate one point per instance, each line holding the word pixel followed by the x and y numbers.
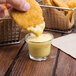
pixel 52 37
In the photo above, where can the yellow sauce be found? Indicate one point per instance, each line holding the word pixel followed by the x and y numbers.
pixel 39 46
pixel 42 38
pixel 38 30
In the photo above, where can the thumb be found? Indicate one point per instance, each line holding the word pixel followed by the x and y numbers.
pixel 21 5
pixel 26 6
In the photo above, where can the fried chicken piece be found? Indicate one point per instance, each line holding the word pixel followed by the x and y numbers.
pixel 60 3
pixel 71 3
pixel 48 2
pixel 31 19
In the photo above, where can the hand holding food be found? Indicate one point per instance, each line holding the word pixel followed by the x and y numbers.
pixel 31 20
pixel 21 5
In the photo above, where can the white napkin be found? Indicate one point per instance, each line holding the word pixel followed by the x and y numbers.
pixel 67 44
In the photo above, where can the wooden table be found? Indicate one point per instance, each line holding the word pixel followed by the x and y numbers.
pixel 14 61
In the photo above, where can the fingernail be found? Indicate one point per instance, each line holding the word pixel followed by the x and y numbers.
pixel 27 6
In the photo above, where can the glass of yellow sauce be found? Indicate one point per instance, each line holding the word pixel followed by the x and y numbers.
pixel 39 47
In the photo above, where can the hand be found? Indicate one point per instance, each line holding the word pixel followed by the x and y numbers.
pixel 21 5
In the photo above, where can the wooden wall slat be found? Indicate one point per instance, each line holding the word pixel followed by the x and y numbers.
pixel 66 65
pixel 7 54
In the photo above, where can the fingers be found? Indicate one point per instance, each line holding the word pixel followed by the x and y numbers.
pixel 1 11
pixel 9 7
pixel 21 5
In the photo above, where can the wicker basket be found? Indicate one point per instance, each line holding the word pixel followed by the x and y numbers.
pixel 9 32
pixel 56 20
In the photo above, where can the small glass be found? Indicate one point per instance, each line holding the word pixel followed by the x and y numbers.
pixel 39 50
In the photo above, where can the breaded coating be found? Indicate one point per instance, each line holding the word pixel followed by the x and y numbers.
pixel 47 2
pixel 29 18
pixel 71 3
pixel 60 3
